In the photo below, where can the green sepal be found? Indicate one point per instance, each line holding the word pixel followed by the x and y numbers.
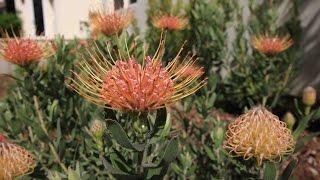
pixel 270 171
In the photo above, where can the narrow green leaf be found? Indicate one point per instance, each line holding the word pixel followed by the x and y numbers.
pixel 171 151
pixel 209 153
pixel 121 137
pixel 288 171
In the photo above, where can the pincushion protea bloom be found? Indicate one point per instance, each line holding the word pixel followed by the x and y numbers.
pixel 15 161
pixel 169 22
pixel 24 51
pixel 110 23
pixel 126 85
pixel 259 134
pixel 271 45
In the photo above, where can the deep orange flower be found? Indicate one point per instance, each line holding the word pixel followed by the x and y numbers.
pixel 126 85
pixel 169 22
pixel 24 51
pixel 15 161
pixel 271 45
pixel 111 23
pixel 259 134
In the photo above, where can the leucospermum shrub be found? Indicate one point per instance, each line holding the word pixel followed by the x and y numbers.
pixel 41 114
pixel 139 89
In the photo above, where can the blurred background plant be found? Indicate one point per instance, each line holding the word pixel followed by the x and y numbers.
pixel 10 23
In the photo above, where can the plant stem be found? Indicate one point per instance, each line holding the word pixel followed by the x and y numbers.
pixel 42 124
pixel 307 110
pixel 56 156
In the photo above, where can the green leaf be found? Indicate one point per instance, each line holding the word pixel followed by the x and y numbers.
pixel 73 175
pixel 121 137
pixel 288 171
pixel 209 153
pixel 171 151
pixel 270 171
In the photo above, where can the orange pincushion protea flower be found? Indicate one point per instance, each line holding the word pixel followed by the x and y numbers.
pixel 126 85
pixel 15 161
pixel 111 23
pixel 259 134
pixel 169 22
pixel 271 45
pixel 24 51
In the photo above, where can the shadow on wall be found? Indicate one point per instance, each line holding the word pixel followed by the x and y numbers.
pixel 310 70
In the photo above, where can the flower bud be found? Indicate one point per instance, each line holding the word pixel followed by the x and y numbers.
pixel 289 120
pixel 219 134
pixel 97 128
pixel 309 96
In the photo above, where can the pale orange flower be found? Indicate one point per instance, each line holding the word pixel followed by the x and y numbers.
pixel 24 51
pixel 192 70
pixel 15 161
pixel 126 85
pixel 110 23
pixel 170 22
pixel 271 45
pixel 259 134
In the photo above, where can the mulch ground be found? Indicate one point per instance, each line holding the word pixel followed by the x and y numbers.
pixel 309 161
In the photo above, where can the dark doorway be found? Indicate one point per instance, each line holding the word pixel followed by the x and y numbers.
pixel 38 17
pixel 10 8
pixel 118 4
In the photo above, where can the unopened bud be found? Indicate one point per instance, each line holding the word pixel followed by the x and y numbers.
pixel 219 134
pixel 97 128
pixel 309 96
pixel 289 120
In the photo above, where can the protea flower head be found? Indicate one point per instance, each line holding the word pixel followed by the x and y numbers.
pixel 97 128
pixel 259 134
pixel 111 22
pixel 126 85
pixel 15 161
pixel 271 45
pixel 169 22
pixel 24 51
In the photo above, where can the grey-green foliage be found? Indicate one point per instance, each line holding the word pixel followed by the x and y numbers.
pixel 42 114
pixel 221 32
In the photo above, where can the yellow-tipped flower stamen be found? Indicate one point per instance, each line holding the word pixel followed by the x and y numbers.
pixel 259 134
pixel 126 85
pixel 271 45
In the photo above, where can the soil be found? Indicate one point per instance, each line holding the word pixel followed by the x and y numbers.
pixel 309 161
